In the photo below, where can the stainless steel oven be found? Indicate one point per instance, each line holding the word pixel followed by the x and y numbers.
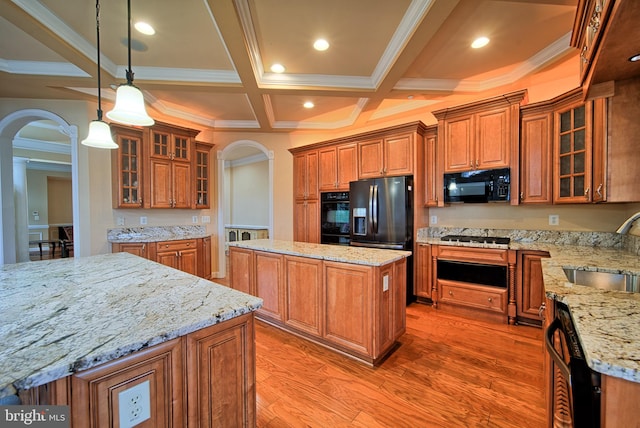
pixel 334 218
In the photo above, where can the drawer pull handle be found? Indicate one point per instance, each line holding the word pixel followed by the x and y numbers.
pixel 490 299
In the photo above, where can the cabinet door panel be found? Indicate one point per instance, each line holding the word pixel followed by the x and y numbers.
pixel 535 158
pixel 304 294
pixel 96 391
pixel 398 159
pixel 492 149
pixel 168 258
pixel 348 299
pixel 160 183
pixel 458 154
pixel 182 185
pixel 241 275
pixel 370 159
pixel 347 165
pixel 328 170
pixel 221 375
pixel 270 283
pixel 188 261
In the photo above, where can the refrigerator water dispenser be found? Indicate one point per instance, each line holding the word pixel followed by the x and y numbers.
pixel 359 221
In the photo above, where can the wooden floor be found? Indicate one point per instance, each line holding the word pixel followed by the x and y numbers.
pixel 447 372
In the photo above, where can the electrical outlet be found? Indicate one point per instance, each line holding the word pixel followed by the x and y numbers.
pixel 206 219
pixel 194 219
pixel 143 220
pixel 134 405
pixel 554 220
pixel 434 219
pixel 120 221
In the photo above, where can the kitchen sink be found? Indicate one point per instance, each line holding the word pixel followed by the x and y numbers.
pixel 603 280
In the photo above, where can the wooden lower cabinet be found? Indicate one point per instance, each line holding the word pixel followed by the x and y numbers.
pixel 423 283
pixel 303 295
pixel 357 310
pixel 181 255
pixel 348 306
pixel 95 392
pixel 203 379
pixel 221 385
pixel 188 255
pixel 529 287
pixel 270 283
pixel 140 249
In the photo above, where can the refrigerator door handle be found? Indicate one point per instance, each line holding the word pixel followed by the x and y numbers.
pixel 370 225
pixel 375 208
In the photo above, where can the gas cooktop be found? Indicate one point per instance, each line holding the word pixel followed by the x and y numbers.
pixel 476 239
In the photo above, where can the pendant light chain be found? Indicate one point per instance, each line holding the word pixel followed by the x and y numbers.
pixel 99 69
pixel 129 71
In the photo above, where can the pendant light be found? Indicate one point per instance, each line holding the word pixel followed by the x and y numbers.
pixel 99 131
pixel 129 108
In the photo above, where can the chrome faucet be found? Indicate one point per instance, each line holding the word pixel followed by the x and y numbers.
pixel 628 223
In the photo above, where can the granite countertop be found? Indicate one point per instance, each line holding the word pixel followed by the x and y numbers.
pixel 156 233
pixel 607 322
pixel 336 253
pixel 65 315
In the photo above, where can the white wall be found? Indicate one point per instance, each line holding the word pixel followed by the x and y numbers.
pixel 249 194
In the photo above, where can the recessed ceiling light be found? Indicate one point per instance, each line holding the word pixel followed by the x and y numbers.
pixel 480 42
pixel 277 68
pixel 308 104
pixel 145 28
pixel 635 58
pixel 321 45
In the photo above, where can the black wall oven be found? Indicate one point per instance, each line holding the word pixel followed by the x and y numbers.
pixel 334 218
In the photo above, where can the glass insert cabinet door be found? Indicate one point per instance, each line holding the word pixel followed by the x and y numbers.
pixel 572 173
pixel 129 159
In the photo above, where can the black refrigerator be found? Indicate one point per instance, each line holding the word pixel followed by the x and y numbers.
pixel 381 216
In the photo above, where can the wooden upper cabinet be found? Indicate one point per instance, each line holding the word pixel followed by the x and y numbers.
pixel 154 168
pixel 387 156
pixel 432 180
pixel 482 135
pixel 338 167
pixel 305 180
pixel 127 167
pixel 536 148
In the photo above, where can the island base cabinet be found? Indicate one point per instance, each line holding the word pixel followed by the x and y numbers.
pixel 221 375
pixel 216 365
pixel 99 398
pixel 348 315
pixel 304 295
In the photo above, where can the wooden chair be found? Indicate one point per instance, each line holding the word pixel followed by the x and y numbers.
pixel 66 240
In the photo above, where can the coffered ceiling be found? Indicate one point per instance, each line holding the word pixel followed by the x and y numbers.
pixel 209 62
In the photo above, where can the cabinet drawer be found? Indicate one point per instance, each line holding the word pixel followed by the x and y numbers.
pixel 176 245
pixel 488 298
pixel 470 254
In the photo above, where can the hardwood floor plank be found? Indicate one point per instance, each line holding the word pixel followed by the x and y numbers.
pixel 447 372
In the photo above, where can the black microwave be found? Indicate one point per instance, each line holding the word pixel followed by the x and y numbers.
pixel 488 185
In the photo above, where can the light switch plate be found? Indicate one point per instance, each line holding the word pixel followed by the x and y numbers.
pixel 434 219
pixel 206 219
pixel 554 220
pixel 143 220
pixel 194 219
pixel 120 221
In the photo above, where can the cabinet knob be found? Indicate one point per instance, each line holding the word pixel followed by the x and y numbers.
pixel 450 293
pixel 490 299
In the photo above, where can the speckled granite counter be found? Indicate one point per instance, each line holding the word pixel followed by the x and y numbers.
pixel 156 233
pixel 66 315
pixel 608 322
pixel 336 253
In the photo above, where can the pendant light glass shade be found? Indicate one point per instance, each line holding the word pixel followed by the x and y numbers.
pixel 129 108
pixel 99 136
pixel 99 131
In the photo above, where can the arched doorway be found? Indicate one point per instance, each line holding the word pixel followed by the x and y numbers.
pixel 233 152
pixel 12 231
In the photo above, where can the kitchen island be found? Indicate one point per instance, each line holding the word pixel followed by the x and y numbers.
pixel 81 331
pixel 349 299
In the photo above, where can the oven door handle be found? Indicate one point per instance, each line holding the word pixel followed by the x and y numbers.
pixel 557 358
